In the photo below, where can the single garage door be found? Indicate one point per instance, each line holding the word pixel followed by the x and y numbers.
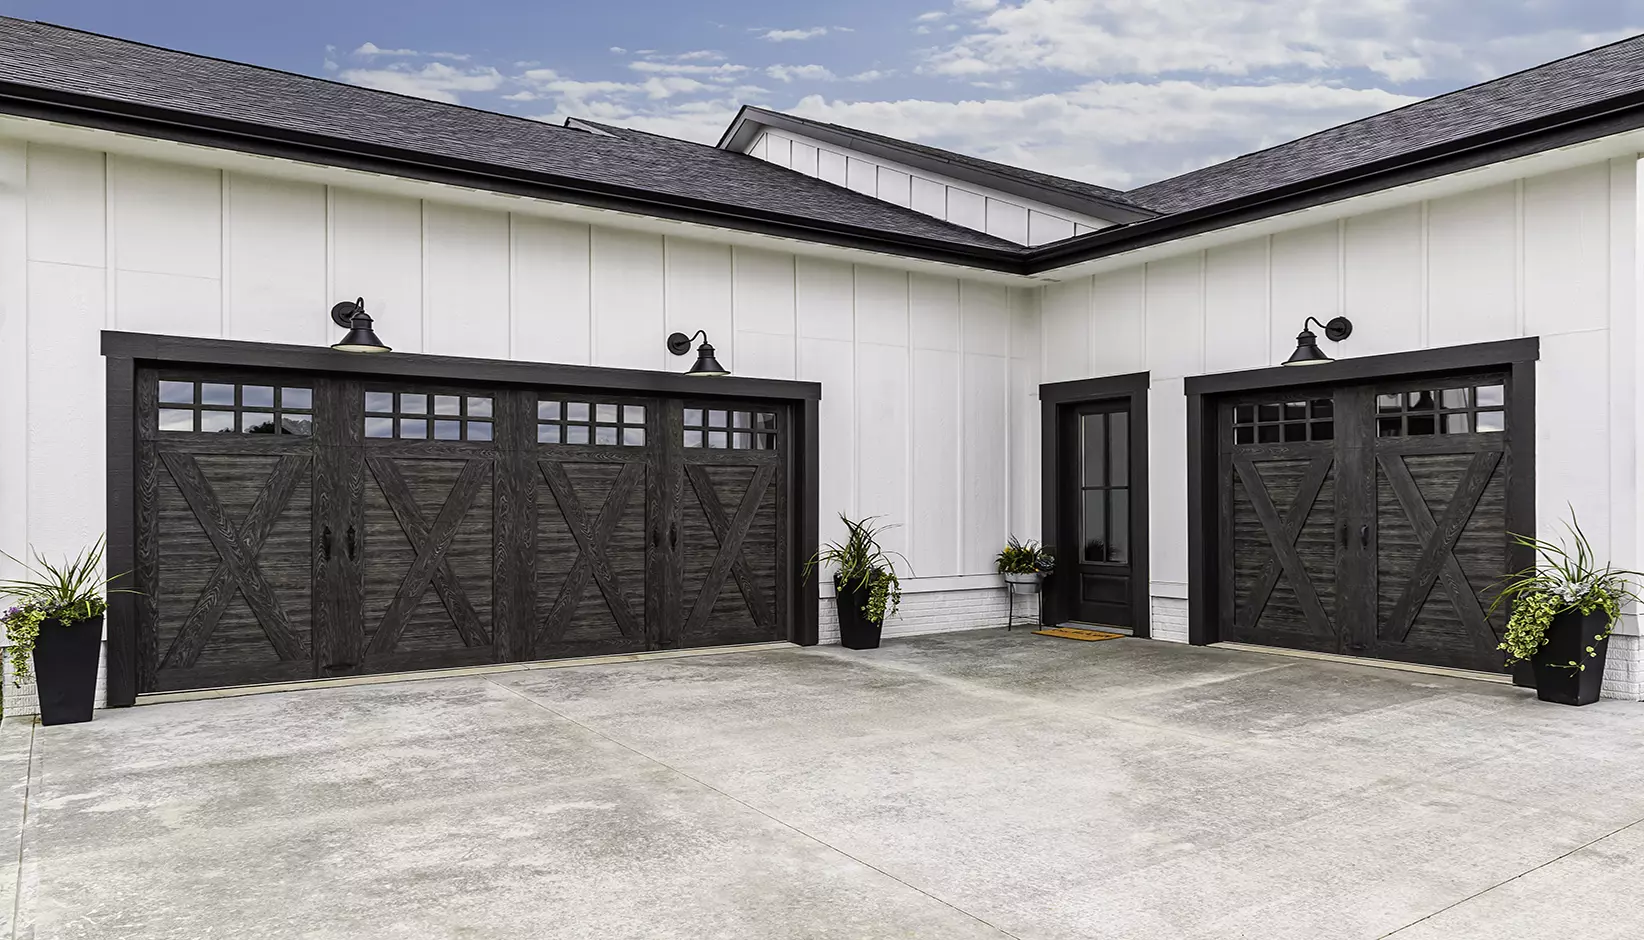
pixel 295 526
pixel 1368 520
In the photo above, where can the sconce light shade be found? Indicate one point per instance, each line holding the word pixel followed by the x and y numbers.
pixel 679 344
pixel 1308 352
pixel 351 315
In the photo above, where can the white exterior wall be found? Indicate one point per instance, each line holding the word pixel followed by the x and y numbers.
pixel 921 374
pixel 1003 215
pixel 1554 256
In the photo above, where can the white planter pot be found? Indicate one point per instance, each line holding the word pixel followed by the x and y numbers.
pixel 1024 583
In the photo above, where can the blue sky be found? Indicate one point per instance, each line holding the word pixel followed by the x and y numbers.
pixel 1119 92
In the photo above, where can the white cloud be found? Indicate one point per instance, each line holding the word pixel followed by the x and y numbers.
pixel 871 75
pixel 1399 40
pixel 805 73
pixel 720 72
pixel 793 35
pixel 434 80
pixel 930 17
pixel 371 50
pixel 1115 133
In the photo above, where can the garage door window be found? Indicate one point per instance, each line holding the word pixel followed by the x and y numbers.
pixel 730 428
pixel 1419 412
pixel 230 407
pixel 427 416
pixel 584 422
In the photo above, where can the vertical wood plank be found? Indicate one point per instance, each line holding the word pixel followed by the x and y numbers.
pixel 514 545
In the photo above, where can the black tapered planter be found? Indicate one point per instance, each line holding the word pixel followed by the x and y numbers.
pixel 856 631
pixel 1568 637
pixel 65 669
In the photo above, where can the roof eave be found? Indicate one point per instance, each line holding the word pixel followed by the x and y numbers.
pixel 31 101
pixel 1565 128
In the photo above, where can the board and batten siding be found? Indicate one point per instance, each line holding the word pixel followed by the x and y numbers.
pixel 1554 256
pixel 924 377
pixel 1002 215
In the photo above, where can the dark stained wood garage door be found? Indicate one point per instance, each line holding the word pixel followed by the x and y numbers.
pixel 1369 520
pixel 296 526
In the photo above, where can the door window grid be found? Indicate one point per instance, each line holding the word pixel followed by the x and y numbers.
pixel 427 416
pixel 1466 410
pixel 584 422
pixel 729 428
pixel 1104 483
pixel 1284 422
pixel 229 407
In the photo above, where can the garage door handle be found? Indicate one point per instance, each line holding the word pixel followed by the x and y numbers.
pixel 673 537
pixel 325 542
pixel 353 544
pixel 1364 536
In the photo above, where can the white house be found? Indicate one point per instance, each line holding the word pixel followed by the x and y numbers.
pixel 967 349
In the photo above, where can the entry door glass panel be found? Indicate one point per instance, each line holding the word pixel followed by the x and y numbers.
pixel 1095 582
pixel 1105 495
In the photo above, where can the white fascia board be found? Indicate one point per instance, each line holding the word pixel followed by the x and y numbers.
pixel 149 148
pixel 1549 161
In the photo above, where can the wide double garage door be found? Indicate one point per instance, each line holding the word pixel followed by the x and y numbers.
pixel 1368 519
pixel 295 526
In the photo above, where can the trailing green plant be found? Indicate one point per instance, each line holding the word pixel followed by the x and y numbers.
pixel 63 593
pixel 1565 577
pixel 859 561
pixel 1018 557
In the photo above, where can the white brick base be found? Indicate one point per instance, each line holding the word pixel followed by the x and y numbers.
pixel 941 612
pixel 1624 669
pixel 1169 619
pixel 24 701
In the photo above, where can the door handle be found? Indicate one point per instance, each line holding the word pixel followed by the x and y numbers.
pixel 1364 536
pixel 325 542
pixel 673 536
pixel 353 544
pixel 1344 535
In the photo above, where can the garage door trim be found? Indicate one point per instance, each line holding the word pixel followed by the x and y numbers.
pixel 1518 356
pixel 125 353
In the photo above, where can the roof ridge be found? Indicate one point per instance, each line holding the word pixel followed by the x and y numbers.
pixel 268 68
pixel 1391 111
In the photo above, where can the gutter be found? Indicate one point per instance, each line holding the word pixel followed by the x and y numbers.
pixel 29 101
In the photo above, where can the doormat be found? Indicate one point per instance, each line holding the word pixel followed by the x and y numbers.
pixel 1074 633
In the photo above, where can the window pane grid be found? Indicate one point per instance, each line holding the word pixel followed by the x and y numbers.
pixel 1289 422
pixel 1424 412
pixel 730 428
pixel 420 416
pixel 606 424
pixel 228 407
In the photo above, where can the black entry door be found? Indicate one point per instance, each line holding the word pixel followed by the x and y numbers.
pixel 1368 520
pixel 1095 567
pixel 296 526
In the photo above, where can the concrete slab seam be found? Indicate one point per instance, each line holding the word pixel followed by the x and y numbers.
pixel 1506 881
pixel 750 807
pixel 22 831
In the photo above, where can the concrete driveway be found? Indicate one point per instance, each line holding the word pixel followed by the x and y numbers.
pixel 973 785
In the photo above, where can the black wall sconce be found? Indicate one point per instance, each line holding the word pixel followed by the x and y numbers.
pixel 351 316
pixel 1307 345
pixel 679 344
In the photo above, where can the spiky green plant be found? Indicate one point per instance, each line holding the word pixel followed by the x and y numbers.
pixel 1566 577
pixel 1018 557
pixel 65 592
pixel 860 561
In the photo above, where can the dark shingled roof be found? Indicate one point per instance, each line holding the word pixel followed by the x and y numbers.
pixel 1584 78
pixel 68 60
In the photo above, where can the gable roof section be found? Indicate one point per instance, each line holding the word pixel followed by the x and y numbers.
pixel 1075 195
pixel 1571 82
pixel 70 74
